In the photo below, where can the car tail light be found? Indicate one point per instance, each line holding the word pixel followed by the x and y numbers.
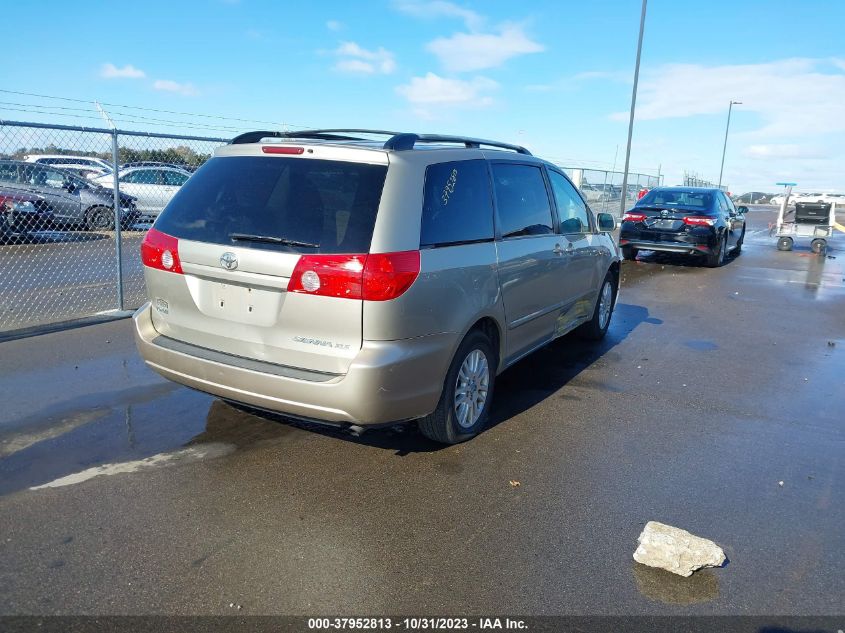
pixel 161 251
pixel 375 277
pixel 633 217
pixel 389 275
pixel 699 220
pixel 282 149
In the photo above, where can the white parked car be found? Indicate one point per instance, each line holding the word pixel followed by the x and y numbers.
pixel 88 166
pixel 833 198
pixel 152 186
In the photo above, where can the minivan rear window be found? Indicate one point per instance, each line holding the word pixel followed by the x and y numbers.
pixel 330 205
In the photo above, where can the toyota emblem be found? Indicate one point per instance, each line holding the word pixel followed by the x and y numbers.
pixel 229 261
pixel 664 213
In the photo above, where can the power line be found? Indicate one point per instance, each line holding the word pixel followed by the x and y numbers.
pixel 118 105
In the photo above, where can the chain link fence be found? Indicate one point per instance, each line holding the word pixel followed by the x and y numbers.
pixel 603 189
pixel 64 252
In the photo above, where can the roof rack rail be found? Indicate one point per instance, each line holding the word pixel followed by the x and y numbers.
pixel 397 141
pixel 327 134
pixel 402 142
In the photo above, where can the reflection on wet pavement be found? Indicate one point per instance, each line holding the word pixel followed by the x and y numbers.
pixel 662 586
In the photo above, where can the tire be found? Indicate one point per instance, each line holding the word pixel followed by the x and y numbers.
pixel 451 422
pixel 99 219
pixel 714 260
pixel 629 253
pixel 785 244
pixel 596 328
pixel 818 245
pixel 738 248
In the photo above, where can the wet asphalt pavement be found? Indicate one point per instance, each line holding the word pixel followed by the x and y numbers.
pixel 712 387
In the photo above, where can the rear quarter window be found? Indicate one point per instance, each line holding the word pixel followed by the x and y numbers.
pixel 331 204
pixel 457 205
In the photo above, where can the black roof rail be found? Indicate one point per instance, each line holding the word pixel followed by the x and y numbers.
pixel 402 142
pixel 397 141
pixel 337 134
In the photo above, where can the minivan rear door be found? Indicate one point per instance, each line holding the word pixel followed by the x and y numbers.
pixel 242 223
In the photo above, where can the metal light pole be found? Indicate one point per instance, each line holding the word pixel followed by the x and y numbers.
pixel 725 146
pixel 631 120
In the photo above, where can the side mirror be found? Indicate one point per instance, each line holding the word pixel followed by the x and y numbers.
pixel 742 209
pixel 606 222
pixel 69 186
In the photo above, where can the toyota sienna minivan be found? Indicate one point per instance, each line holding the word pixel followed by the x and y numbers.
pixel 336 278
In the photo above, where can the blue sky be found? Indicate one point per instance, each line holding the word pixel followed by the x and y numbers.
pixel 552 75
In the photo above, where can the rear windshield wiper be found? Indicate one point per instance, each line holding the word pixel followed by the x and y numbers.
pixel 270 239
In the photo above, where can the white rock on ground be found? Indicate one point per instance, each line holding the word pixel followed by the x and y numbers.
pixel 676 550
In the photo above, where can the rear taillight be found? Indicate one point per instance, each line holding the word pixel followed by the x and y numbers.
pixel 633 217
pixel 699 220
pixel 389 275
pixel 375 277
pixel 161 251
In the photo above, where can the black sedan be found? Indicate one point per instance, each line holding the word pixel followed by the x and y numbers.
pixel 689 220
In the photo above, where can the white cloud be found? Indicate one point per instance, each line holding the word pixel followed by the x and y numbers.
pixel 440 8
pixel 784 151
pixel 435 90
pixel 466 52
pixel 110 71
pixel 334 25
pixel 166 85
pixel 355 59
pixel 793 97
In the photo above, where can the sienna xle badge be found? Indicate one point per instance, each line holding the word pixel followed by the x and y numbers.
pixel 294 272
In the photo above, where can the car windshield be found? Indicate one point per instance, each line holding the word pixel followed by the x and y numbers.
pixel 680 198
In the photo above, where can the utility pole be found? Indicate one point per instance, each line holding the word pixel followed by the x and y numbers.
pixel 725 146
pixel 633 106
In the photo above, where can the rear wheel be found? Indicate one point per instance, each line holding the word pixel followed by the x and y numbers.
pixel 596 328
pixel 716 257
pixel 99 219
pixel 629 253
pixel 464 405
pixel 818 245
pixel 785 244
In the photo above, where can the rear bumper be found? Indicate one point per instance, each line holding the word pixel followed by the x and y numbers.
pixel 687 243
pixel 388 381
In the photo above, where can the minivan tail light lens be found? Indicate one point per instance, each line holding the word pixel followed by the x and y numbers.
pixel 282 149
pixel 699 220
pixel 328 275
pixel 375 277
pixel 633 217
pixel 161 251
pixel 389 275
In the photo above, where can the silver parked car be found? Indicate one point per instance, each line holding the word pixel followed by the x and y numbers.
pixel 334 278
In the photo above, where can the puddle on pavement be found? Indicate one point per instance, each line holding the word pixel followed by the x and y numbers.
pixel 662 586
pixel 162 424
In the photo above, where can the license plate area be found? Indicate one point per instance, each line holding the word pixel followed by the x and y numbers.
pixel 238 303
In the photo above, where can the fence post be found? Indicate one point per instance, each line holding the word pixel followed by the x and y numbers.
pixel 117 244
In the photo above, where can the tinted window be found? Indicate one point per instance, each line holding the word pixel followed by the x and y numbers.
pixel 174 178
pixel 680 198
pixel 329 203
pixel 141 177
pixel 458 204
pixel 8 172
pixel 38 176
pixel 522 200
pixel 573 214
